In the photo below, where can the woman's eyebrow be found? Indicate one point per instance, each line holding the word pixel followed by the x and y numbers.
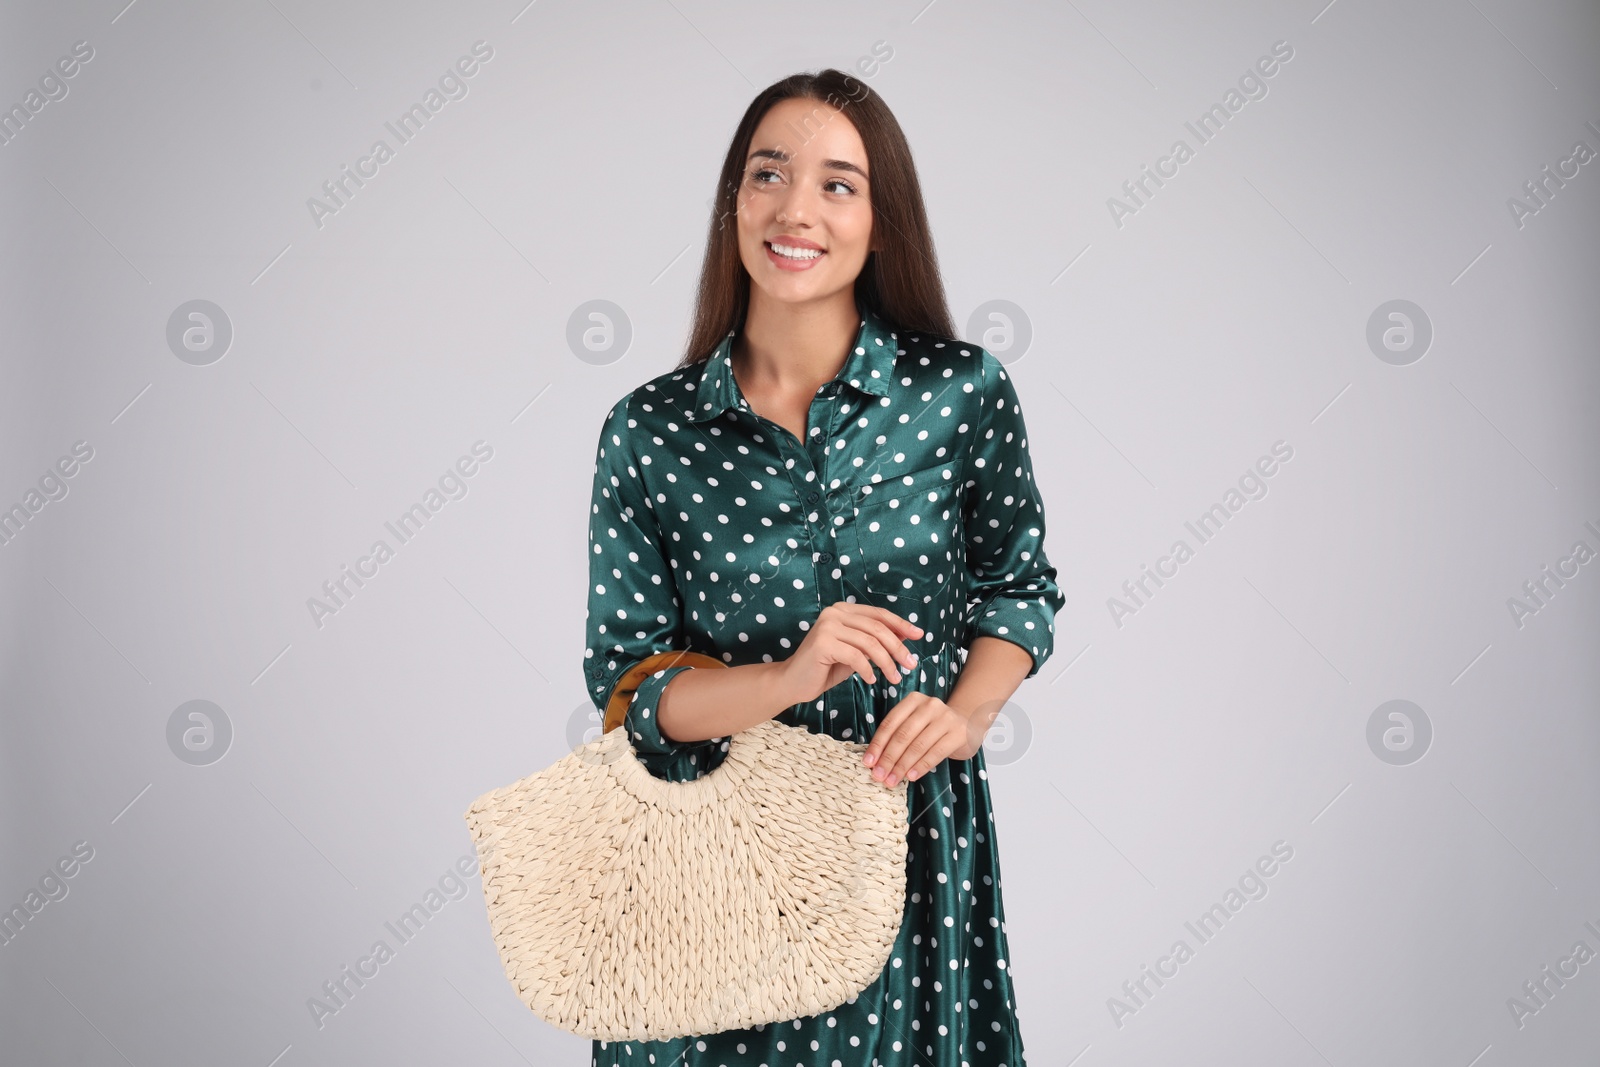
pixel 780 156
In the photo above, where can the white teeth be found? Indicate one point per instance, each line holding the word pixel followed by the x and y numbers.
pixel 794 253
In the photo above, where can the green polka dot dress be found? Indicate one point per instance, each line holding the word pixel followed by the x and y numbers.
pixel 715 530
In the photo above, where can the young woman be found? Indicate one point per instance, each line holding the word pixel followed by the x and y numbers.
pixel 831 500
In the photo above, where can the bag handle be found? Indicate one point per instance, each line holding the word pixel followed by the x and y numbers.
pixel 628 684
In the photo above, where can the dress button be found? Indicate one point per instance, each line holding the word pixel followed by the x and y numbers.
pixel 811 497
pixel 826 557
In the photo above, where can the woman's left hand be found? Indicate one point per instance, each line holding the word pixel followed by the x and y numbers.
pixel 916 736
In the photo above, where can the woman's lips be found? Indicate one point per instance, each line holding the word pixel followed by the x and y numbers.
pixel 789 263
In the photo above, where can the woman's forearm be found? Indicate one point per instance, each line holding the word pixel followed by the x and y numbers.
pixel 700 704
pixel 994 669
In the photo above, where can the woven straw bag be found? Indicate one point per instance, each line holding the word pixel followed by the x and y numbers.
pixel 628 907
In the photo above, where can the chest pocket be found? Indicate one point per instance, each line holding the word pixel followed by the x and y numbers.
pixel 909 540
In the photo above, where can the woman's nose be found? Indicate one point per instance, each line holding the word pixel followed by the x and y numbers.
pixel 796 206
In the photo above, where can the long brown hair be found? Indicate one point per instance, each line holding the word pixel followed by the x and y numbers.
pixel 900 282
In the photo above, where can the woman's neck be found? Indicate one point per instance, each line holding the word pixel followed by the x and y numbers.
pixel 792 349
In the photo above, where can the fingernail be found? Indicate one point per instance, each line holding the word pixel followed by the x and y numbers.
pixel 871 758
pixel 893 778
pixel 878 774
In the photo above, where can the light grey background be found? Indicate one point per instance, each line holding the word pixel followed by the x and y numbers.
pixel 1163 757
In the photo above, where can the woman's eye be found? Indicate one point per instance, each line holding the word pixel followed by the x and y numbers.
pixel 756 177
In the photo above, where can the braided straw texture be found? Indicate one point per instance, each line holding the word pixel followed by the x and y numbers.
pixel 628 907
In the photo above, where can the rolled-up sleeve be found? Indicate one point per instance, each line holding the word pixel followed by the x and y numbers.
pixel 1013 593
pixel 634 611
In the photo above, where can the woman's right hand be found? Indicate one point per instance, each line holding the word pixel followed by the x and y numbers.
pixel 846 639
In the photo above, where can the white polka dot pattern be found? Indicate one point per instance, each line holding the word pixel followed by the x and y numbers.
pixel 715 530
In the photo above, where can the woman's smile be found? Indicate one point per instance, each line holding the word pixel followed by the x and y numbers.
pixel 792 254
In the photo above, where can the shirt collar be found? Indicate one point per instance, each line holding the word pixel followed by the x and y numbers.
pixel 867 369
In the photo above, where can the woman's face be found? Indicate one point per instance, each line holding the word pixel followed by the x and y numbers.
pixel 805 179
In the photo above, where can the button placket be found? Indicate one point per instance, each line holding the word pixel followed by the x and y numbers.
pixel 822 417
pixel 853 695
